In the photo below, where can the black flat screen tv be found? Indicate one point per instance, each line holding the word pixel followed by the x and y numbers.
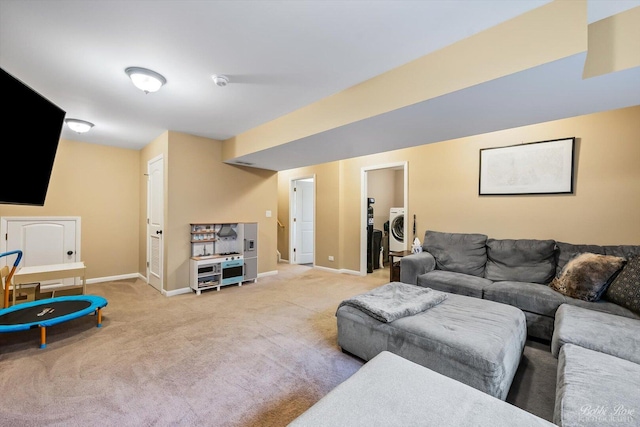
pixel 27 157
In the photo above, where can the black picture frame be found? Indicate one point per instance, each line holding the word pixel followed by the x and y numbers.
pixel 542 167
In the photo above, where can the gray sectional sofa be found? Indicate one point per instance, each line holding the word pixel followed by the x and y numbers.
pixel 598 380
pixel 597 342
pixel 510 271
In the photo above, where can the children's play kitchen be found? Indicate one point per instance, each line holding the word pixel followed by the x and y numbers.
pixel 222 254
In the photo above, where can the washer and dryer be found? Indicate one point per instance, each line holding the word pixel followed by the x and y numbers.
pixel 396 230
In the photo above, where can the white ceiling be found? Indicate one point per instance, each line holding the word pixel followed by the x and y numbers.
pixel 279 56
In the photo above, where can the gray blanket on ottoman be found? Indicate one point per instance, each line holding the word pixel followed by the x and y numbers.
pixel 395 300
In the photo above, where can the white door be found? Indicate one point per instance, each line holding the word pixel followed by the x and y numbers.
pixel 43 241
pixel 155 221
pixel 303 221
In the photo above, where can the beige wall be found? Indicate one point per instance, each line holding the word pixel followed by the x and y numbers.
pixel 99 184
pixel 443 188
pixel 203 189
pixel 107 188
pixel 326 209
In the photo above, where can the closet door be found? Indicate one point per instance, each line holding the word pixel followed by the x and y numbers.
pixel 42 240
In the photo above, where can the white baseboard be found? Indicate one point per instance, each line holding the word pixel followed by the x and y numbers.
pixel 339 271
pixel 114 278
pixel 268 273
pixel 175 292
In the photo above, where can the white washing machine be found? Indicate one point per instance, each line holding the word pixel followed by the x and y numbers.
pixel 396 230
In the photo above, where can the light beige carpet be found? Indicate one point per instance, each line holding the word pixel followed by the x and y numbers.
pixel 255 355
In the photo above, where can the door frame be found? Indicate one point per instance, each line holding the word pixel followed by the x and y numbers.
pixel 148 227
pixel 363 205
pixel 292 235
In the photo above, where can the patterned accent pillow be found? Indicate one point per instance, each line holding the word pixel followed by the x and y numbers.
pixel 586 275
pixel 625 288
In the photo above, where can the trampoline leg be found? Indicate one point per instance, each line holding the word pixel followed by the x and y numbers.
pixel 43 336
pixel 99 318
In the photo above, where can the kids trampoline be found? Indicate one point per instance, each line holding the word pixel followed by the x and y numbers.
pixel 47 312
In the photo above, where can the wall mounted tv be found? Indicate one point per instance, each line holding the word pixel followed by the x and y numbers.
pixel 36 123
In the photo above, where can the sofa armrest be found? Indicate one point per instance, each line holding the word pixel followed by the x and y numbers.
pixel 412 266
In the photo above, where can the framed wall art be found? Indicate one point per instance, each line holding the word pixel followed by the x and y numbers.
pixel 544 167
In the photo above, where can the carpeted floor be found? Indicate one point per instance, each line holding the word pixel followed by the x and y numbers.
pixel 255 355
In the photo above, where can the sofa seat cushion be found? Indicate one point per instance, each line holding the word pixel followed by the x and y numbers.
pixel 604 306
pixel 607 333
pixel 459 252
pixel 521 260
pixel 533 297
pixel 595 389
pixel 455 283
pixel 392 391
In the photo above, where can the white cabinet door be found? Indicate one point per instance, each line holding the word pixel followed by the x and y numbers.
pixel 43 241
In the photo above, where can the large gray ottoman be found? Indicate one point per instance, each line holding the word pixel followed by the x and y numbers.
pixel 392 391
pixel 475 341
pixel 595 389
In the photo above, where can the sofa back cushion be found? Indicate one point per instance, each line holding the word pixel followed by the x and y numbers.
pixel 459 252
pixel 521 260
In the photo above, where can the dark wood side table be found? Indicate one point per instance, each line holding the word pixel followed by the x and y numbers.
pixel 394 267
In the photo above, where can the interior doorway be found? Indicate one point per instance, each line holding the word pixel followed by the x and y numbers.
pixel 302 221
pixel 390 183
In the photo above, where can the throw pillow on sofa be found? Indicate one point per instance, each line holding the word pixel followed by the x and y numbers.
pixel 587 275
pixel 458 252
pixel 625 288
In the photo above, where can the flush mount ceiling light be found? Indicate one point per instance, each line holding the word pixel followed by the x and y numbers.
pixel 220 80
pixel 77 125
pixel 145 80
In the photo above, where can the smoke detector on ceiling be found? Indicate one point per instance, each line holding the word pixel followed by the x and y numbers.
pixel 220 80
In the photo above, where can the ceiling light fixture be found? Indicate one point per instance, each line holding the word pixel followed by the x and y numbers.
pixel 145 80
pixel 77 125
pixel 220 80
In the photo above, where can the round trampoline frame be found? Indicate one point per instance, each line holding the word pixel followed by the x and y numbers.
pixel 47 316
pixel 96 304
